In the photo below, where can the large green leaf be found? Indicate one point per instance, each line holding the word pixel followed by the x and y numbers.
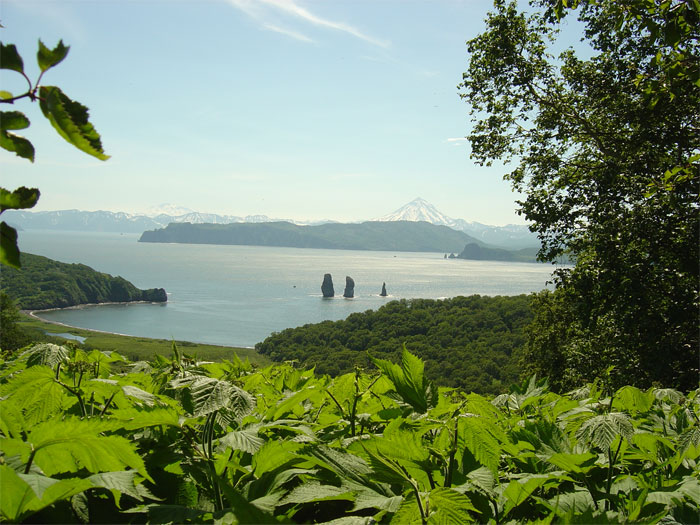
pixel 342 463
pixel 36 393
pixel 409 381
pixel 448 506
pixel 633 400
pixel 25 494
pixel 476 434
pixel 408 513
pixel 315 491
pixel 518 490
pixel 602 430
pixel 70 119
pixel 209 395
pixel 122 482
pixel 10 58
pixel 71 444
pixel 46 354
pixel 576 463
pixel 9 252
pixel 47 58
pixel 21 198
pixel 273 455
pixel 246 440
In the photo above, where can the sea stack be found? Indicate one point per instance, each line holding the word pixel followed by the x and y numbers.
pixel 327 286
pixel 383 294
pixel 349 288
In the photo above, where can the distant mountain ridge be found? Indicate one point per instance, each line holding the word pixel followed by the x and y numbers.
pixel 513 236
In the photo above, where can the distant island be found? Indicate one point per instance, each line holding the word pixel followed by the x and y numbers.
pixel 478 252
pixel 43 283
pixel 402 236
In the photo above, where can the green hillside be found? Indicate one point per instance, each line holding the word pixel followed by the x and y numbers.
pixel 44 283
pixel 405 236
pixel 467 342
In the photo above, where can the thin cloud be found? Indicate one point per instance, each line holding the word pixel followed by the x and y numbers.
pixel 289 7
pixel 288 32
pixel 457 141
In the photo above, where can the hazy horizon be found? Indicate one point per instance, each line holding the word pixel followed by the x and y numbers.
pixel 296 109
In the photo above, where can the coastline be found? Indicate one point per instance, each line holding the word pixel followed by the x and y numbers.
pixel 33 315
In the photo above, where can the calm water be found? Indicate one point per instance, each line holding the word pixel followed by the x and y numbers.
pixel 238 295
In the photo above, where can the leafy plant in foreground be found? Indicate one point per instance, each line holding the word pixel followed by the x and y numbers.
pixel 87 437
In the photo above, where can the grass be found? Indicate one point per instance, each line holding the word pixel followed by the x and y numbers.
pixel 141 348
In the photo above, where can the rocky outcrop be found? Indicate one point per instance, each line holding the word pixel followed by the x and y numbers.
pixel 383 294
pixel 327 286
pixel 156 295
pixel 349 287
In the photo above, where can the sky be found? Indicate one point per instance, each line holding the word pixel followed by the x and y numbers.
pixel 296 109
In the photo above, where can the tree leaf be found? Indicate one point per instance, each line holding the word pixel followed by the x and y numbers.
pixel 17 144
pixel 47 58
pixel 70 119
pixel 13 120
pixel 4 95
pixel 9 252
pixel 10 59
pixel 21 198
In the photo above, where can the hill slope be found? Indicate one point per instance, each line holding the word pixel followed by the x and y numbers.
pixel 391 236
pixel 44 283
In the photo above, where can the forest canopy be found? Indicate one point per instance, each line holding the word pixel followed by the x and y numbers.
pixel 605 151
pixel 473 343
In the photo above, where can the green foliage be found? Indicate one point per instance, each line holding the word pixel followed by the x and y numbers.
pixel 605 152
pixel 473 342
pixel 12 336
pixel 202 443
pixel 69 118
pixel 44 283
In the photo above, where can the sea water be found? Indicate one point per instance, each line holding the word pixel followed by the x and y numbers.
pixel 238 295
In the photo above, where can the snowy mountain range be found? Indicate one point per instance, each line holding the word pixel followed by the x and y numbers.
pixel 510 237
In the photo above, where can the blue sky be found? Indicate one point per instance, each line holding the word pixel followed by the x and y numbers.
pixel 300 109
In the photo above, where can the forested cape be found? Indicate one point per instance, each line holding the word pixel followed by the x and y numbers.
pixel 44 283
pixel 404 236
pixel 473 342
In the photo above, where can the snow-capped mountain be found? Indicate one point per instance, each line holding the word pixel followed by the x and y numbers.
pixel 418 210
pixel 166 208
pixel 512 236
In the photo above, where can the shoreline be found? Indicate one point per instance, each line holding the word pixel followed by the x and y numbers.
pixel 33 315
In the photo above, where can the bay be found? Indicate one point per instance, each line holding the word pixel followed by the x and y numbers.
pixel 238 295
